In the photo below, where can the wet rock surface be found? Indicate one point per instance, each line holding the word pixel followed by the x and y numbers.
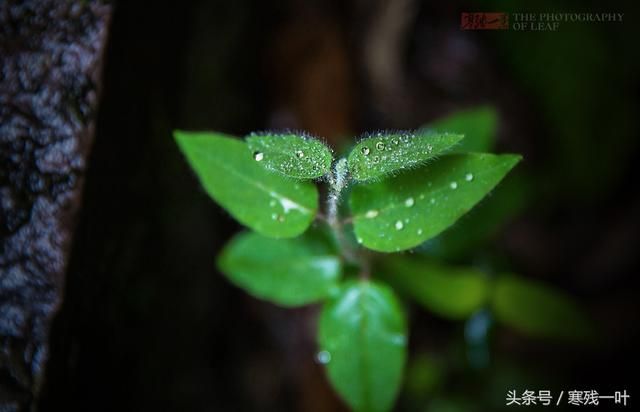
pixel 50 56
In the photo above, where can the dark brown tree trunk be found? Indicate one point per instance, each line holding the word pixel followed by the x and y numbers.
pixel 50 60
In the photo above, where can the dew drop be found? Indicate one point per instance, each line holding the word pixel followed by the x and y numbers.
pixel 366 151
pixel 399 225
pixel 376 159
pixel 299 154
pixel 468 177
pixel 280 218
pixel 453 185
pixel 409 202
pixel 429 148
pixel 323 357
pixel 359 240
pixel 371 214
pixel 398 340
pixel 395 141
pixel 258 156
pixel 433 201
pixel 273 203
pixel 274 216
pixel 419 232
pixel 380 146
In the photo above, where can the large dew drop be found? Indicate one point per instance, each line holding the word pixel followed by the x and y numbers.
pixel 453 185
pixel 380 146
pixel 258 156
pixel 399 225
pixel 366 151
pixel 468 177
pixel 409 202
pixel 323 357
pixel 299 154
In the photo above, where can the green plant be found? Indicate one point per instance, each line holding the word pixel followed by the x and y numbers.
pixel 403 189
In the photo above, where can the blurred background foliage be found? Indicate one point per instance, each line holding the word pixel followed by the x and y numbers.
pixel 535 287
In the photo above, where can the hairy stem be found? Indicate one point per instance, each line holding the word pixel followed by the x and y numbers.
pixel 338 180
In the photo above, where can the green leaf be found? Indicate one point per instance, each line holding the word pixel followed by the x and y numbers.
pixel 385 153
pixel 404 211
pixel 363 341
pixel 478 125
pixel 294 155
pixel 450 291
pixel 289 272
pixel 266 202
pixel 538 310
pixel 471 232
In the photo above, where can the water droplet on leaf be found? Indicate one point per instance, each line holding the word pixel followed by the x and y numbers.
pixel 409 202
pixel 371 214
pixel 299 154
pixel 366 151
pixel 468 177
pixel 258 156
pixel 398 340
pixel 399 225
pixel 323 357
pixel 380 146
pixel 453 185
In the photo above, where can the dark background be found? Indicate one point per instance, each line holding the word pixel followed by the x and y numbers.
pixel 148 324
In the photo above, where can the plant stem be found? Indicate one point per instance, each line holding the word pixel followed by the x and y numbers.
pixel 338 180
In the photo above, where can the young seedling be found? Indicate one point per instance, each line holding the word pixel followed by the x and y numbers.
pixel 403 188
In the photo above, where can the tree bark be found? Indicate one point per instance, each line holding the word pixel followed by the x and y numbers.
pixel 50 60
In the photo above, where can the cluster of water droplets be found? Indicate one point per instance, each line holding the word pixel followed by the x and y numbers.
pixel 410 201
pixel 375 152
pixel 299 161
pixel 293 164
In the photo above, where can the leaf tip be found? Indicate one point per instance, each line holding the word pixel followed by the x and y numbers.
pixel 179 135
pixel 513 159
